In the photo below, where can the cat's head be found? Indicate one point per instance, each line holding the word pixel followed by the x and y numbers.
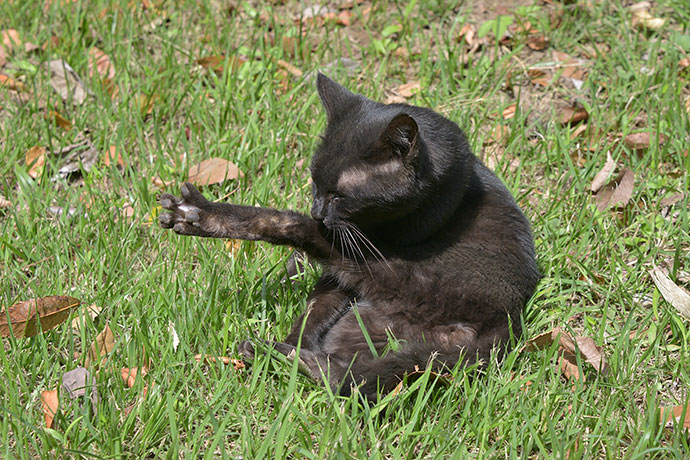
pixel 364 171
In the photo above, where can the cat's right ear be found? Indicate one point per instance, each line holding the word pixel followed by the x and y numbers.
pixel 333 96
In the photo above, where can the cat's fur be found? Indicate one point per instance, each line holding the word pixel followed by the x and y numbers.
pixel 418 240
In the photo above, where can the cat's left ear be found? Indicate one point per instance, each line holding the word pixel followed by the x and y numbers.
pixel 401 136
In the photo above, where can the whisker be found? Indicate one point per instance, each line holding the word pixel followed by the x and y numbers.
pixel 370 246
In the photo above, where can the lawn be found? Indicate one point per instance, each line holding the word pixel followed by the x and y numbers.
pixel 550 94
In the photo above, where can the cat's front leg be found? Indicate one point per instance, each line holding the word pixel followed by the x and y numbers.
pixel 192 214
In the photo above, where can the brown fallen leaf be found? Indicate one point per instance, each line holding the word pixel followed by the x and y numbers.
pixel 59 120
pixel 602 177
pixel 537 42
pixel 236 363
pixel 24 317
pixel 509 112
pixel 213 171
pixel 66 82
pixel 92 311
pixel 642 18
pixel 572 115
pixel 640 141
pixel 35 159
pixel 592 353
pixel 146 103
pixel 112 156
pixel 539 77
pixel 670 415
pixel 217 63
pixel 10 83
pixel 77 381
pixel 671 200
pixel 10 39
pixel 5 203
pixel 617 192
pixel 409 89
pixel 99 65
pixel 102 345
pixel 678 297
pixel 50 403
pixel 129 375
pixel 569 349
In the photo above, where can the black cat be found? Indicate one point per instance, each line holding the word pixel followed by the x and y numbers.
pixel 427 259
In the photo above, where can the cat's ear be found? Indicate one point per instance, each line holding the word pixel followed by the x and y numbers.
pixel 401 136
pixel 333 96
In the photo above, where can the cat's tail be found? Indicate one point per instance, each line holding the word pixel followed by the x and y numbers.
pixel 376 376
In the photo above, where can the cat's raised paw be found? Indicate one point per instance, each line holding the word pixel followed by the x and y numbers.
pixel 185 213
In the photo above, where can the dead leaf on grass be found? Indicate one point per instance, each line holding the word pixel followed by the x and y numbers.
pixel 217 63
pixel 11 39
pixel 5 203
pixel 237 364
pixel 537 42
pixel 509 112
pixel 569 349
pixel 678 297
pixel 35 159
pixel 10 83
pixel 76 383
pixel 572 115
pixel 50 403
pixel 101 346
pixel 92 311
pixel 539 77
pixel 24 317
pixel 643 19
pixel 99 65
pixel 66 82
pixel 408 90
pixel 129 375
pixel 641 141
pixel 602 177
pixel 671 415
pixel 59 120
pixel 213 171
pixel 617 192
pixel 112 156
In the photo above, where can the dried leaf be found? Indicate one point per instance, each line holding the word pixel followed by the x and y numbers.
pixel 568 351
pixel 617 192
pixel 10 83
pixel 602 176
pixel 537 42
pixel 592 353
pixel 99 64
pixel 145 103
pixel 5 203
pixel 409 89
pixel 642 18
pixel 129 375
pixel 66 82
pixel 92 311
pixel 678 297
pixel 77 381
pixel 10 39
pixel 111 156
pixel 24 317
pixel 50 403
pixel 236 363
pixel 673 414
pixel 35 159
pixel 665 202
pixel 102 345
pixel 213 171
pixel 59 120
pixel 572 115
pixel 217 63
pixel 641 141
pixel 509 112
pixel 568 366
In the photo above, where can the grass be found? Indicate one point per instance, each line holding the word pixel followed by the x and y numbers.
pixel 267 121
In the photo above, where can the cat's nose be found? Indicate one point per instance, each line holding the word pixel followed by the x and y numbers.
pixel 317 212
